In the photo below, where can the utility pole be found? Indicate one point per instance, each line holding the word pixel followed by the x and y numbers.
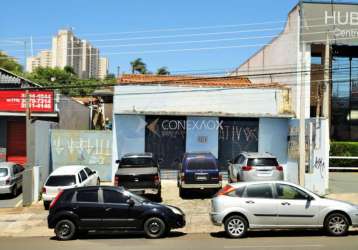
pixel 118 70
pixel 28 126
pixel 302 123
pixel 326 76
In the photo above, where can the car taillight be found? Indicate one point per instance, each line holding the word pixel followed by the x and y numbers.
pixel 247 168
pixel 7 181
pixel 279 168
pixel 43 190
pixel 116 181
pixel 225 190
pixel 156 179
pixel 53 203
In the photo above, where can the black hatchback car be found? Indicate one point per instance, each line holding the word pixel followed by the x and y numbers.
pixel 110 208
pixel 199 171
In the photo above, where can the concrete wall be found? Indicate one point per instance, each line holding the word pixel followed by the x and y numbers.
pixel 202 138
pixel 198 101
pixel 128 136
pixel 283 54
pixel 72 114
pixel 273 137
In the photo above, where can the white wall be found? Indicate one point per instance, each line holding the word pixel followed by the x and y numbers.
pixel 198 101
pixel 209 132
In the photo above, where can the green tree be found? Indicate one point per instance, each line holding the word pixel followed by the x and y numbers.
pixel 163 71
pixel 138 66
pixel 9 63
pixel 69 69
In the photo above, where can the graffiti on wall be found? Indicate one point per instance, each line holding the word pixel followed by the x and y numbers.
pixel 319 165
pixel 79 147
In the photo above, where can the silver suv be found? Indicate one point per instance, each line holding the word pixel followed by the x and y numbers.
pixel 10 178
pixel 278 205
pixel 254 167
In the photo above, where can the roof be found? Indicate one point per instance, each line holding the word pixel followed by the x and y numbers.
pixel 68 170
pixel 7 77
pixel 232 82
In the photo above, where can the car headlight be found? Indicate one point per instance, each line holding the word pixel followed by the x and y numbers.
pixel 175 210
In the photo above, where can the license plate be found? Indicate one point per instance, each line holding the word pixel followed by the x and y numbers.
pixel 201 178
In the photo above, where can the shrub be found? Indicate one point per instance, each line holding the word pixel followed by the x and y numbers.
pixel 343 148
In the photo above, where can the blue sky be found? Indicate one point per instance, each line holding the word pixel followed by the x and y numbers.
pixel 177 31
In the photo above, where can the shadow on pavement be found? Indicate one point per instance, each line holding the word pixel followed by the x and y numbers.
pixel 118 235
pixel 282 233
pixel 196 194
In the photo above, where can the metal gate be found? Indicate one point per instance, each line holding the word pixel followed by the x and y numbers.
pixel 237 135
pixel 165 138
pixel 16 141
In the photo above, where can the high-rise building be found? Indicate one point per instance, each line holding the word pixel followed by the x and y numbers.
pixel 43 59
pixel 69 50
pixel 103 67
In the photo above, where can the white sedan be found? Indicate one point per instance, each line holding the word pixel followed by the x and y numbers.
pixel 67 177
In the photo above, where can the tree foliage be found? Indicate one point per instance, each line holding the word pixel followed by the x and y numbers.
pixel 138 66
pixel 163 71
pixel 9 63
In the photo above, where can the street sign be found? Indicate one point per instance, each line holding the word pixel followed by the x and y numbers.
pixel 15 101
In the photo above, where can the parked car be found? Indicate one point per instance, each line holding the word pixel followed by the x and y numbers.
pixel 254 167
pixel 110 208
pixel 10 178
pixel 67 177
pixel 278 205
pixel 199 171
pixel 139 173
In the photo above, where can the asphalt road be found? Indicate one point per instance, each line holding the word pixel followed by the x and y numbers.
pixel 8 201
pixel 309 240
pixel 343 182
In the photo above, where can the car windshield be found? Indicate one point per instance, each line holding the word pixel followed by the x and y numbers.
pixel 143 161
pixel 201 163
pixel 3 172
pixel 262 162
pixel 61 180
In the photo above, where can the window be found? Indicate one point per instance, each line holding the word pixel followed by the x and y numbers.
pixel 201 163
pixel 262 162
pixel 61 180
pixel 79 178
pixel 259 191
pixel 87 195
pixel 238 192
pixel 3 172
pixel 142 161
pixel 239 159
pixel 88 171
pixel 290 192
pixel 83 175
pixel 111 196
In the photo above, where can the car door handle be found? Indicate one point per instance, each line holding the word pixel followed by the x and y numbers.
pixel 108 209
pixel 286 203
pixel 250 202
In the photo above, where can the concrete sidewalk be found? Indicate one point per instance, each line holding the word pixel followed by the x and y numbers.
pixel 31 221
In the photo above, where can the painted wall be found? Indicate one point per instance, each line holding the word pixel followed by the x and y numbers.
pixel 72 114
pixel 128 136
pixel 202 134
pixel 273 137
pixel 83 147
pixel 198 101
pixel 3 126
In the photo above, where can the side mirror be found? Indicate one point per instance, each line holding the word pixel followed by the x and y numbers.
pixel 229 161
pixel 309 197
pixel 118 161
pixel 93 172
pixel 130 202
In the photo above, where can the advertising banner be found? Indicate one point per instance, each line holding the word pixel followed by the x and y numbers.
pixel 15 101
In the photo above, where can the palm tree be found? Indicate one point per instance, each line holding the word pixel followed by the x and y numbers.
pixel 163 71
pixel 138 66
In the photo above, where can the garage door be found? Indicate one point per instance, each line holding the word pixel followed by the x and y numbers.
pixel 165 138
pixel 16 141
pixel 237 135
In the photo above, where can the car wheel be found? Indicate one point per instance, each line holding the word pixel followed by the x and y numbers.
pixel 159 195
pixel 14 191
pixel 182 192
pixel 229 177
pixel 236 226
pixel 65 230
pixel 337 224
pixel 154 227
pixel 98 182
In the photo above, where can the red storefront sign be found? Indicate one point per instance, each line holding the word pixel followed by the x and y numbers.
pixel 15 101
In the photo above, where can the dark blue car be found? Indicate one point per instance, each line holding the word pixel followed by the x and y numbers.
pixel 199 171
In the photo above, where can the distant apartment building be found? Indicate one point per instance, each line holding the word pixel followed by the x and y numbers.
pixel 43 59
pixel 69 50
pixel 103 67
